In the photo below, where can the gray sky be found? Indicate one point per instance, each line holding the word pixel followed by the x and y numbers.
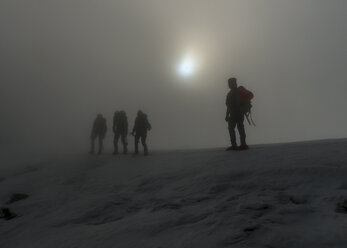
pixel 62 62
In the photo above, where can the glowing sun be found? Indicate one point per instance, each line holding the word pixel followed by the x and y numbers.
pixel 186 67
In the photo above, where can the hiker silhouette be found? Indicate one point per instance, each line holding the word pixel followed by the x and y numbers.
pixel 238 105
pixel 98 131
pixel 141 126
pixel 120 129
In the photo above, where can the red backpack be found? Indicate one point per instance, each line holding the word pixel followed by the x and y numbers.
pixel 244 98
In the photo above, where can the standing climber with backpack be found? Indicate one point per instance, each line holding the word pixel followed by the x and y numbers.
pixel 120 129
pixel 141 126
pixel 98 131
pixel 238 102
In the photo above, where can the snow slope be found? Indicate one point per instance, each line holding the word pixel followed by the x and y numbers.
pixel 270 196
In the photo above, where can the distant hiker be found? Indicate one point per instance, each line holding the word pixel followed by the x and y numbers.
pixel 98 131
pixel 238 105
pixel 140 129
pixel 120 129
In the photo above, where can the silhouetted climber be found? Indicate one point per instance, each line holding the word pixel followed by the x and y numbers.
pixel 120 129
pixel 238 104
pixel 140 129
pixel 98 131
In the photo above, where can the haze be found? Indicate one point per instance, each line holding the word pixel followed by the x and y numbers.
pixel 62 62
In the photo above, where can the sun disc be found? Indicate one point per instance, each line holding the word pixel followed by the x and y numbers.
pixel 186 67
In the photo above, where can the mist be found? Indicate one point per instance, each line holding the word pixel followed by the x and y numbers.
pixel 63 62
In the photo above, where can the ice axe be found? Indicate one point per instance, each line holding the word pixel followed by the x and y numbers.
pixel 250 119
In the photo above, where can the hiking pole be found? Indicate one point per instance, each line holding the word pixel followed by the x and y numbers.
pixel 252 120
pixel 248 120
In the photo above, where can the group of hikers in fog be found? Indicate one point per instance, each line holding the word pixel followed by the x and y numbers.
pixel 238 103
pixel 120 130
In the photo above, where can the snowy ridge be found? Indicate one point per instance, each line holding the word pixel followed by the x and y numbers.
pixel 285 195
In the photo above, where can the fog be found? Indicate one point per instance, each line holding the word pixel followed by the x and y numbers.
pixel 62 62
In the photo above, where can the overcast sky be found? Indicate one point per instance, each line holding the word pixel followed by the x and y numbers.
pixel 64 61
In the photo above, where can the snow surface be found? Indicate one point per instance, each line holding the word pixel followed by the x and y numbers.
pixel 270 196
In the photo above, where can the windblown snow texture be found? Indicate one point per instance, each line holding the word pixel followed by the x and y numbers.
pixel 288 195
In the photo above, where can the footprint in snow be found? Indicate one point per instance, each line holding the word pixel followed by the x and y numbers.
pixel 17 197
pixel 219 188
pixel 341 207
